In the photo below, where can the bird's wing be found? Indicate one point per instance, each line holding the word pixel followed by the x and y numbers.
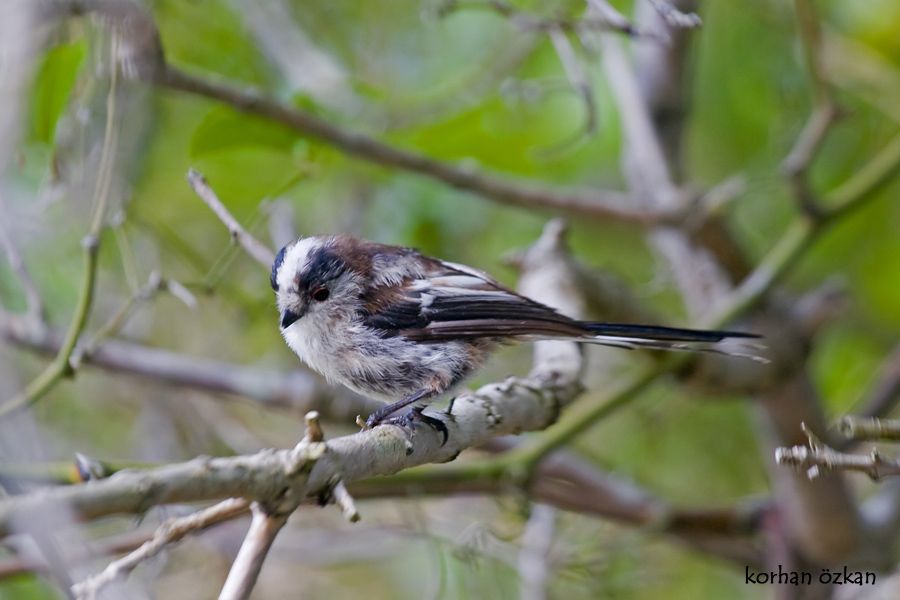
pixel 452 302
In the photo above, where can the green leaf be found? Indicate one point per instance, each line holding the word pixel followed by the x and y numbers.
pixel 53 86
pixel 225 129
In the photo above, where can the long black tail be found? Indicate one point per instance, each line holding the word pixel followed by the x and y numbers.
pixel 664 334
pixel 673 338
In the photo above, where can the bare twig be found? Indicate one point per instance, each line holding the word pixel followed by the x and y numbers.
pixel 674 17
pixel 604 205
pixel 264 526
pixel 314 431
pixel 577 77
pixel 818 457
pixel 295 389
pixel 647 167
pixel 117 544
pixel 345 502
pixel 61 366
pixel 170 532
pixel 303 65
pixel 529 22
pixel 595 204
pixel 117 320
pixel 537 538
pixel 885 392
pixel 797 163
pixel 872 429
pixel 35 312
pixel 256 249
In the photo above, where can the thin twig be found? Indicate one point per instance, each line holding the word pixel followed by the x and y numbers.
pixel 817 458
pixel 170 532
pixel 248 563
pixel 61 366
pixel 529 22
pixel 852 195
pixel 647 167
pixel 577 77
pixel 118 320
pixel 884 394
pixel 256 249
pixel 797 163
pixel 602 205
pixel 295 389
pixel 537 538
pixel 674 17
pixel 870 428
pixel 345 502
pixel 35 311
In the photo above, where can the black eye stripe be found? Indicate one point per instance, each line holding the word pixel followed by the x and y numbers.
pixel 279 258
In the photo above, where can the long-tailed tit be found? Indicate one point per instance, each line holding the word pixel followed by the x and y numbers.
pixel 405 328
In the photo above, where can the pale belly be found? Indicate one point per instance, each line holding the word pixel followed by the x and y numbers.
pixel 386 369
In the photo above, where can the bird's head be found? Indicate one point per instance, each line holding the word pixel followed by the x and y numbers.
pixel 317 277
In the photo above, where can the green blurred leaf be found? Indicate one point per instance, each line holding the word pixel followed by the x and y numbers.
pixel 225 129
pixel 53 86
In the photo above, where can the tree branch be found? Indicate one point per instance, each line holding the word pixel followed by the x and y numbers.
pixel 870 429
pixel 797 163
pixel 883 395
pixel 297 389
pixel 170 532
pixel 61 366
pixel 646 165
pixel 35 312
pixel 529 22
pixel 818 458
pixel 147 61
pixel 256 249
pixel 264 526
pixel 607 206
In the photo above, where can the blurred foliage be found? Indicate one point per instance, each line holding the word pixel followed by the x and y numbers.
pixel 450 88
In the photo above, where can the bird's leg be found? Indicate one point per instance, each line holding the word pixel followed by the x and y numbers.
pixel 377 417
pixel 416 415
pixel 409 419
pixel 449 411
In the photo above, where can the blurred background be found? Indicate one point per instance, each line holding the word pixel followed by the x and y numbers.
pixel 478 87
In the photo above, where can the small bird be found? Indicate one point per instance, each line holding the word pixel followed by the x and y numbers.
pixel 405 328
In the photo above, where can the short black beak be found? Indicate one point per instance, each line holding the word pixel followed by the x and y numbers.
pixel 288 318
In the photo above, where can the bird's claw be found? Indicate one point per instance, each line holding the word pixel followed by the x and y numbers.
pixel 408 421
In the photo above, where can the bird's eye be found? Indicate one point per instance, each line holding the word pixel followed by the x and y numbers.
pixel 321 294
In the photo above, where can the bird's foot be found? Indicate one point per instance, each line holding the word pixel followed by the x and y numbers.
pixel 407 421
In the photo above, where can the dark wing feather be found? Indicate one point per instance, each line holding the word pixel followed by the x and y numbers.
pixel 451 303
pixel 456 304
